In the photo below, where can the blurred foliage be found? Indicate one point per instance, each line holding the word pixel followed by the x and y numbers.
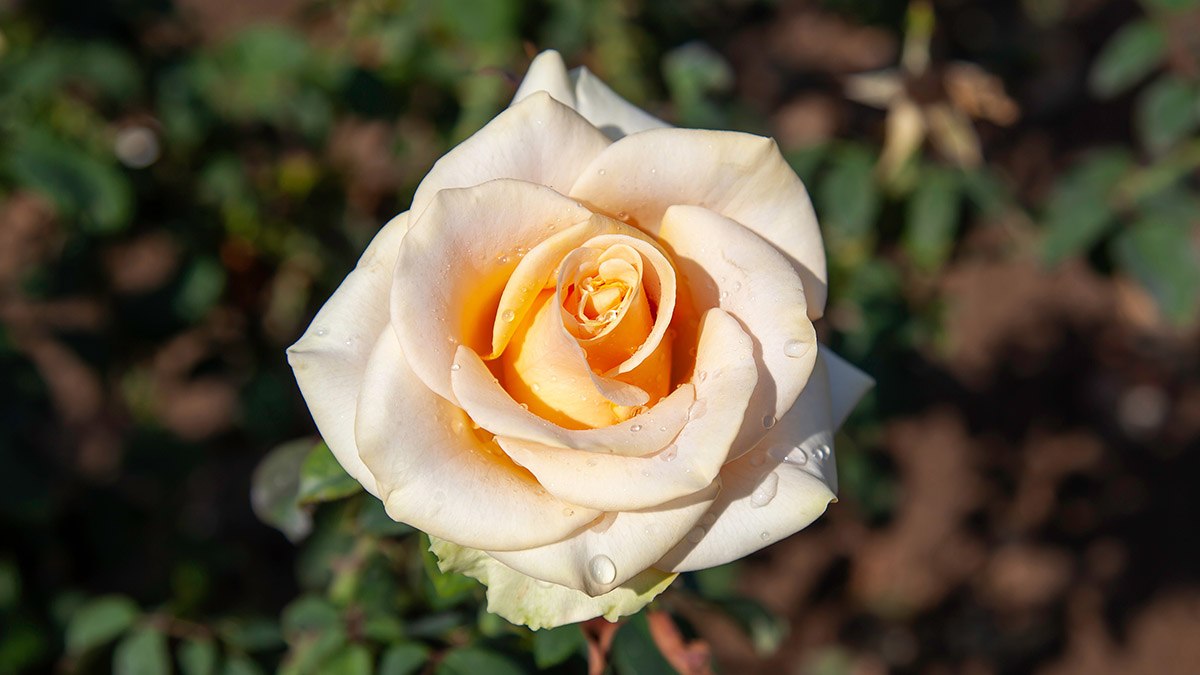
pixel 203 185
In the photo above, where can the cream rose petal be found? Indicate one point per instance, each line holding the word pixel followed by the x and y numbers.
pixel 779 488
pixel 740 176
pixel 583 91
pixel 538 139
pixel 455 262
pixel 847 385
pixel 687 464
pixel 615 548
pixel 330 358
pixel 486 402
pixel 538 604
pixel 726 265
pixel 436 474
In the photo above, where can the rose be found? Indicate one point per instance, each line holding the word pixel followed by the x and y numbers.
pixel 584 360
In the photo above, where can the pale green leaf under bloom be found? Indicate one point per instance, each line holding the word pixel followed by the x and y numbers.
pixel 538 604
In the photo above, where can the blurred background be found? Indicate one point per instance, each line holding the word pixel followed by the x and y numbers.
pixel 1010 199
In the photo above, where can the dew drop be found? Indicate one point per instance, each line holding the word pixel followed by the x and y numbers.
pixel 764 536
pixel 321 332
pixel 737 286
pixel 698 409
pixel 724 295
pixel 455 368
pixel 788 454
pixel 635 428
pixel 451 340
pixel 535 386
pixel 795 348
pixel 525 406
pixel 508 315
pixel 702 375
pixel 502 259
pixel 669 453
pixel 757 459
pixel 695 535
pixel 349 341
pixel 708 519
pixel 765 492
pixel 591 462
pixel 601 172
pixel 653 170
pixel 768 421
pixel 602 569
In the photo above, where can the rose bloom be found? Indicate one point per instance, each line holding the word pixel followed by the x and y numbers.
pixel 584 360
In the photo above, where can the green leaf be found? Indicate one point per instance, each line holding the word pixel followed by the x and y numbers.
pixel 1136 49
pixel 275 487
pixel 239 664
pixel 848 197
pixel 201 288
pixel 403 659
pixel 932 218
pixel 351 660
pixel 449 588
pixel 373 519
pixel 308 613
pixel 552 646
pixel 766 631
pixel 1167 111
pixel 322 479
pixel 100 621
pixel 476 660
pixel 1079 210
pixel 716 582
pixel 634 651
pixel 252 635
pixel 197 657
pixel 96 193
pixel 142 652
pixel 1162 256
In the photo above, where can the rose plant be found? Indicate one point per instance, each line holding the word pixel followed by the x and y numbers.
pixel 584 360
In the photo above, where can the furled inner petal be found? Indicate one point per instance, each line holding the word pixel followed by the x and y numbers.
pixel 726 265
pixel 780 487
pixel 455 262
pixel 491 407
pixel 615 547
pixel 688 462
pixel 436 471
pixel 740 176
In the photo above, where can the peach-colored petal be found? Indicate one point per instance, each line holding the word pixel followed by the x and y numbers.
pixel 688 463
pixel 547 73
pixel 491 407
pixel 780 487
pixel 537 139
pixel 436 473
pixel 740 176
pixel 614 548
pixel 455 262
pixel 726 265
pixel 329 360
pixel 606 109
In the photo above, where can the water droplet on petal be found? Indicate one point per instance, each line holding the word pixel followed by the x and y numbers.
pixel 724 295
pixel 737 286
pixel 455 368
pixel 525 406
pixel 591 462
pixel 702 375
pixel 708 519
pixel 695 535
pixel 757 459
pixel 788 454
pixel 765 536
pixel 636 427
pixel 508 315
pixel 601 172
pixel 321 332
pixel 602 569
pixel 795 348
pixel 669 453
pixel 765 492
pixel 698 409
pixel 653 170
pixel 535 387
pixel 768 421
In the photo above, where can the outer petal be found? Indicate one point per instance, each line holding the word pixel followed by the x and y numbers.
pixel 540 604
pixel 740 176
pixel 435 473
pixel 728 266
pixel 688 464
pixel 847 385
pixel 547 73
pixel 616 548
pixel 455 262
pixel 604 108
pixel 776 490
pixel 537 139
pixel 329 360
